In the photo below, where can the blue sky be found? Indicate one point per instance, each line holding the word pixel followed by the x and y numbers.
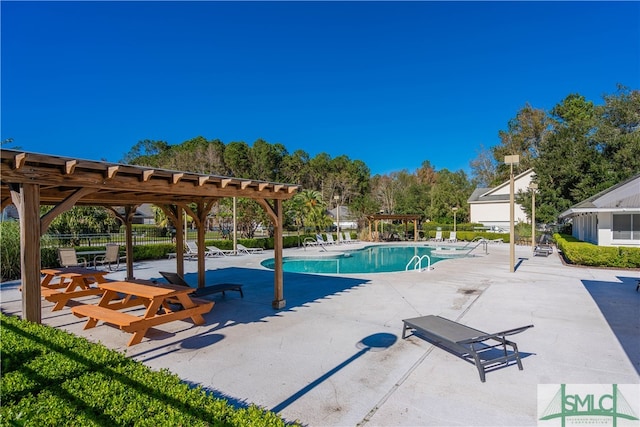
pixel 390 83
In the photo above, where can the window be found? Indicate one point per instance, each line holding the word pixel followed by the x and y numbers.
pixel 626 227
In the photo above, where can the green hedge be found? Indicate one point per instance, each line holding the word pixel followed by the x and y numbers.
pixel 470 235
pixel 582 253
pixel 53 378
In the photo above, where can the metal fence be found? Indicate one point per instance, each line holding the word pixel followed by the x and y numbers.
pixel 57 240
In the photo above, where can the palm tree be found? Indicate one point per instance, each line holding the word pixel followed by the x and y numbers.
pixel 312 210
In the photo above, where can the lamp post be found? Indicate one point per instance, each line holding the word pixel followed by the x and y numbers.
pixel 533 187
pixel 337 199
pixel 454 218
pixel 512 160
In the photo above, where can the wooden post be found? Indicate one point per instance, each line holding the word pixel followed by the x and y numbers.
pixel 278 299
pixel 129 211
pixel 27 200
pixel 179 240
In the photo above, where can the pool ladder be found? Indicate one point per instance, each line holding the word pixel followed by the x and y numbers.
pixel 417 262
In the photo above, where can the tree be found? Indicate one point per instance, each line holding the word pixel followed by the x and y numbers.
pixel 237 159
pixel 266 160
pixel 295 168
pixel 569 168
pixel 452 189
pixel 484 168
pixel 146 153
pixel 384 189
pixel 83 220
pixel 311 209
pixel 618 133
pixel 249 214
pixel 524 136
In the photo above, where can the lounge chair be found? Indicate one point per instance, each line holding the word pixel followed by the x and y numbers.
pixel 452 237
pixel 215 251
pixel 543 247
pixel 245 250
pixel 330 240
pixel 177 279
pixel 466 342
pixel 318 241
pixel 111 257
pixel 545 250
pixel 348 239
pixel 69 258
pixel 438 237
pixel 191 250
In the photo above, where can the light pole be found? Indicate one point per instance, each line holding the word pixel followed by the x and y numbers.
pixel 533 187
pixel 454 218
pixel 337 199
pixel 512 160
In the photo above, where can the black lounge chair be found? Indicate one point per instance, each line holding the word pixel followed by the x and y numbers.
pixel 176 279
pixel 543 247
pixel 466 342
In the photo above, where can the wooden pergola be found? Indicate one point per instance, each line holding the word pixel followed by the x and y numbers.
pixel 29 180
pixel 375 219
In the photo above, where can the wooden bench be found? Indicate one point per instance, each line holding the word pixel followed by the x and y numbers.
pixel 139 326
pixel 106 314
pixel 61 298
pixel 466 342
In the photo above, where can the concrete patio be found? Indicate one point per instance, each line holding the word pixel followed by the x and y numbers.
pixel 335 356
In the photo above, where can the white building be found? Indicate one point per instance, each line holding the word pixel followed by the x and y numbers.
pixel 609 218
pixel 490 206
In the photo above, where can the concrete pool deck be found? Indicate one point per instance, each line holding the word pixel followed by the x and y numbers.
pixel 335 355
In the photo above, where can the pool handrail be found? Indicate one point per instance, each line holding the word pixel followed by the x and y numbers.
pixel 418 263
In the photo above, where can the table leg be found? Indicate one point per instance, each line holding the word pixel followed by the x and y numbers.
pixel 46 280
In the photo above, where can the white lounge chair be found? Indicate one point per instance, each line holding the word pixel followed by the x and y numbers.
pixel 452 237
pixel 347 238
pixel 330 240
pixel 245 250
pixel 438 237
pixel 215 251
pixel 191 250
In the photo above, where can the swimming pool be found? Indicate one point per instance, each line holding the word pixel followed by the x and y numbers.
pixel 370 259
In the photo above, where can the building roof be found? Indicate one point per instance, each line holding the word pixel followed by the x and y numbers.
pixel 622 197
pixel 499 193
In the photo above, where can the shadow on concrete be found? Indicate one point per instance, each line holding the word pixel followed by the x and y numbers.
pixel 375 342
pixel 620 303
pixel 300 290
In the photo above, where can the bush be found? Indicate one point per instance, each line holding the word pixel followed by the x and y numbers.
pixel 582 253
pixel 9 250
pixel 51 377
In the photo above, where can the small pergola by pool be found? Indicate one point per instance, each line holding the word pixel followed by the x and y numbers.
pixel 29 180
pixel 405 218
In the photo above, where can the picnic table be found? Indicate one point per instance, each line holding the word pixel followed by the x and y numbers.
pixel 163 303
pixel 75 282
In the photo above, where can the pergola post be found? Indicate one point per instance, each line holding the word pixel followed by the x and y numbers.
pixel 26 197
pixel 278 289
pixel 275 214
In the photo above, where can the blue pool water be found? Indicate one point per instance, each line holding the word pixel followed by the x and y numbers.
pixel 370 259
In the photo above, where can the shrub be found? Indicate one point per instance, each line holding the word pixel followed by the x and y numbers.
pixel 582 253
pixel 51 377
pixel 9 250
